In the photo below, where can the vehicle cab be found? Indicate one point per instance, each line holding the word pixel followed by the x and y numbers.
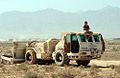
pixel 81 46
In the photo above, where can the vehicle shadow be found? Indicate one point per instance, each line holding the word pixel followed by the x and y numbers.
pixel 89 66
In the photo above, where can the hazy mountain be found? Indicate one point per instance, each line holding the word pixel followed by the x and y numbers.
pixel 50 22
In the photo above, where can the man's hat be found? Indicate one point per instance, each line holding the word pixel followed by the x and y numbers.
pixel 85 22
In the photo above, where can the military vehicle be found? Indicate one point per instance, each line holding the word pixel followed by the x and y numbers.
pixel 78 46
pixel 12 52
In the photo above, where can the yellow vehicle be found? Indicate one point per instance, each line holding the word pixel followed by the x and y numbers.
pixel 78 46
pixel 12 52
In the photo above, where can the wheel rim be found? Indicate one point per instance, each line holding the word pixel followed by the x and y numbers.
pixel 58 57
pixel 28 57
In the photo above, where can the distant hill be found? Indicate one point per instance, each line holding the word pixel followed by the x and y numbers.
pixel 50 22
pixel 116 38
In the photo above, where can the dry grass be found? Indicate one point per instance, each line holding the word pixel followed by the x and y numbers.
pixel 52 71
pixel 112 51
pixel 32 75
pixel 22 66
pixel 117 69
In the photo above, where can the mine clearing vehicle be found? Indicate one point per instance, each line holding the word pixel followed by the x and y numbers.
pixel 78 46
pixel 12 52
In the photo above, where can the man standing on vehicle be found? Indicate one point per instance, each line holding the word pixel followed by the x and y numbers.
pixel 88 34
pixel 86 28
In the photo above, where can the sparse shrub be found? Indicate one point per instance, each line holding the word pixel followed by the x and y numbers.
pixel 94 71
pixel 116 72
pixel 49 69
pixel 32 75
pixel 67 74
pixel 4 69
pixel 74 72
pixel 22 67
pixel 1 65
pixel 115 48
pixel 36 69
pixel 117 69
pixel 112 66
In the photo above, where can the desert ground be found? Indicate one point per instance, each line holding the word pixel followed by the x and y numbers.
pixel 106 67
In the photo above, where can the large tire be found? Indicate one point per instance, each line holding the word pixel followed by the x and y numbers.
pixel 30 57
pixel 61 58
pixel 82 62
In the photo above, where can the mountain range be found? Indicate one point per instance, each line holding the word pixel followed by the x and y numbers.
pixel 49 23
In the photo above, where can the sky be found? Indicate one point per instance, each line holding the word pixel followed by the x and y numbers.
pixel 63 5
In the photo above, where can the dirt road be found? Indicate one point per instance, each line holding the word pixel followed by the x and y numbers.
pixel 104 63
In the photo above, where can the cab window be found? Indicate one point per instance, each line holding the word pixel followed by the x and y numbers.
pixel 68 39
pixel 74 38
pixel 96 38
pixel 82 38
